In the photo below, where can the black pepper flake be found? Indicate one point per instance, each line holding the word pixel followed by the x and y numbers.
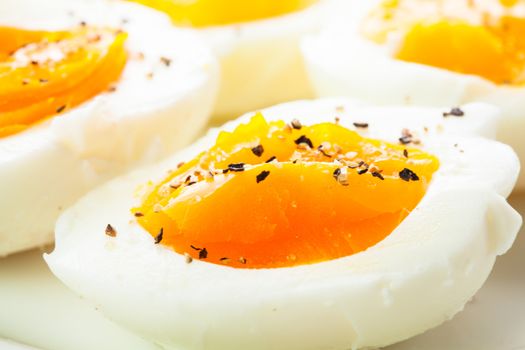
pixel 83 23
pixel 362 171
pixel 455 112
pixel 296 124
pixel 158 238
pixel 110 231
pixel 408 175
pixel 203 253
pixel 61 109
pixel 242 260
pixel 138 214
pixel 166 61
pixel 43 81
pixel 378 175
pixel 258 150
pixel 336 173
pixel 323 152
pixel 405 153
pixel 34 63
pixel 361 125
pixel 195 248
pixel 224 259
pixel 405 140
pixel 237 167
pixel 262 176
pixel 305 140
pixel 271 159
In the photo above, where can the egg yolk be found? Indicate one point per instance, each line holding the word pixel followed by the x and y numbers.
pixel 205 13
pixel 270 195
pixel 481 38
pixel 43 74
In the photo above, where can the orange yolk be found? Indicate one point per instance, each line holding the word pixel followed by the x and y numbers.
pixel 205 13
pixel 492 48
pixel 46 73
pixel 268 195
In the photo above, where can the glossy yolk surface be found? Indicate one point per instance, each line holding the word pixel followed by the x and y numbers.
pixel 46 73
pixel 475 41
pixel 204 13
pixel 230 206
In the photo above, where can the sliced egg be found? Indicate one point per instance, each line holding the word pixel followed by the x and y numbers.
pixel 433 53
pixel 257 43
pixel 86 94
pixel 310 225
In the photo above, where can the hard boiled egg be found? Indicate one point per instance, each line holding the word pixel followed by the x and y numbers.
pixel 431 53
pixel 88 91
pixel 310 225
pixel 257 43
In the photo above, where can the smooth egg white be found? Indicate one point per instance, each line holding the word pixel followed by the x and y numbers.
pixel 261 62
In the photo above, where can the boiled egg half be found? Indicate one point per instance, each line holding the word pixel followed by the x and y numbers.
pixel 88 91
pixel 257 43
pixel 432 53
pixel 310 225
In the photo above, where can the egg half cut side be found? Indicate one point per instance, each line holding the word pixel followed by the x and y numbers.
pixel 435 53
pixel 71 138
pixel 442 251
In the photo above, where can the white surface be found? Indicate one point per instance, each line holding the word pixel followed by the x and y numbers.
pixel 31 298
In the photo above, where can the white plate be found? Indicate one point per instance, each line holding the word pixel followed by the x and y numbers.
pixel 36 309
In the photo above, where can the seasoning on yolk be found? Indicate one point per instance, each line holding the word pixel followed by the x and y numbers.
pixel 205 13
pixel 471 41
pixel 45 73
pixel 308 205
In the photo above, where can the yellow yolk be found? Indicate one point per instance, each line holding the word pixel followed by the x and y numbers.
pixel 205 13
pixel 268 195
pixel 473 41
pixel 46 73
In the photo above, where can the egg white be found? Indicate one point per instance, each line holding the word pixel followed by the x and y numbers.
pixel 261 62
pixel 341 62
pixel 46 168
pixel 419 276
